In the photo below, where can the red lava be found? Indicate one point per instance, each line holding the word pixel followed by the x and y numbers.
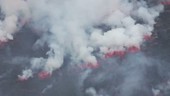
pixel 2 43
pixel 115 53
pixel 22 79
pixel 90 65
pixel 147 38
pixel 133 49
pixel 166 2
pixel 44 75
pixel 122 53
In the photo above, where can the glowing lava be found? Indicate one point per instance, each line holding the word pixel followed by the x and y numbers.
pixel 21 78
pixel 44 75
pixel 147 37
pixel 90 66
pixel 2 43
pixel 133 49
pixel 115 53
pixel 166 2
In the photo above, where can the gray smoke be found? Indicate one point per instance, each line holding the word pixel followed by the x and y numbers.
pixel 72 28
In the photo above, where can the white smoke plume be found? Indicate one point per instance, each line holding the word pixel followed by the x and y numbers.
pixel 16 13
pixel 71 27
pixel 91 92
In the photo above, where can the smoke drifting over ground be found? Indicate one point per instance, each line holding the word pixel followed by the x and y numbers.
pixel 86 47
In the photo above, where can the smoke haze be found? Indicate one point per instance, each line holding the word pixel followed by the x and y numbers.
pixel 92 47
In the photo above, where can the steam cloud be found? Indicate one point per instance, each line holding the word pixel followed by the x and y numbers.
pixel 72 28
pixel 16 13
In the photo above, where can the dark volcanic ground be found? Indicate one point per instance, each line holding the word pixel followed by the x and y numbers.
pixel 135 75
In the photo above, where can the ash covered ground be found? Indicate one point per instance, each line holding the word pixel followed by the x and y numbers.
pixel 144 73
